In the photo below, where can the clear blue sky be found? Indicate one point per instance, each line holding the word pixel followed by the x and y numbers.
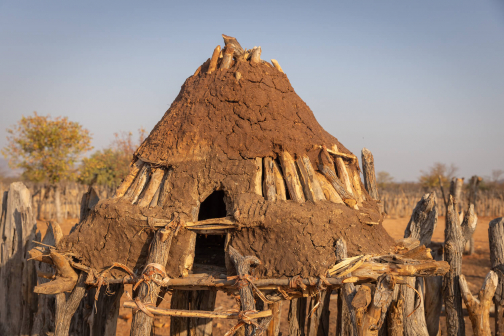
pixel 416 82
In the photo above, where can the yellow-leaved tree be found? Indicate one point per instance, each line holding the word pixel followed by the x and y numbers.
pixel 46 149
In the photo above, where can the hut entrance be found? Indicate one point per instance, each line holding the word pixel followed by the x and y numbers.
pixel 210 248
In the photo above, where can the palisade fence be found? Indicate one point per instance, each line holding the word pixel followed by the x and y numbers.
pixel 399 203
pixel 71 196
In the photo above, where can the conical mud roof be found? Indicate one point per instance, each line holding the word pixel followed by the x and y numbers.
pixel 247 111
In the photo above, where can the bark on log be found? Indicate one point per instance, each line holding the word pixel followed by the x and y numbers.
pixel 329 192
pixel 214 59
pixel 242 265
pixel 297 316
pixel 291 177
pixel 311 187
pixel 18 303
pixel 128 180
pixel 369 173
pixel 269 185
pixel 456 236
pixel 479 308
pixel 154 183
pixel 255 57
pixel 148 292
pixel 496 241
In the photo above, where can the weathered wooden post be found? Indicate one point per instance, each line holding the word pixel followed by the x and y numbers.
pixel 421 226
pixel 18 303
pixel 369 173
pixel 479 308
pixel 496 241
pixel 347 321
pixel 155 273
pixel 456 236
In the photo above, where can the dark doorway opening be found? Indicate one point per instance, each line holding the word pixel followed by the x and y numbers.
pixel 210 248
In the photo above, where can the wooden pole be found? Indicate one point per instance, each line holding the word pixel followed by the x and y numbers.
pixel 276 311
pixel 496 241
pixel 318 322
pixel 128 180
pixel 369 173
pixel 433 300
pixel 148 292
pixel 291 177
pixel 456 236
pixel 297 316
pixel 421 226
pixel 479 308
pixel 214 59
pixel 269 185
pixel 255 57
pixel 65 309
pixel 347 320
pixel 311 186
pixel 242 265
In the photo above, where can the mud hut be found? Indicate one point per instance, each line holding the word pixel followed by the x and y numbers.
pixel 237 173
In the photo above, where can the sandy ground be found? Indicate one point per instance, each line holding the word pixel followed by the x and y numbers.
pixel 475 268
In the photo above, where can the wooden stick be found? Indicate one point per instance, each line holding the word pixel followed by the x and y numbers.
pixel 148 292
pixel 343 174
pixel 140 178
pixel 369 174
pixel 456 236
pixel 257 182
pixel 281 193
pixel 255 57
pixel 228 57
pixel 291 177
pixel 214 59
pixel 164 188
pixel 65 309
pixel 329 192
pixel 198 313
pixel 66 277
pixel 496 242
pixel 376 312
pixel 311 187
pixel 352 158
pixel 274 326
pixel 433 300
pixel 197 71
pixel 155 181
pixel 269 187
pixel 232 42
pixel 297 316
pixel 134 169
pixel 479 309
pixel 357 183
pixel 277 66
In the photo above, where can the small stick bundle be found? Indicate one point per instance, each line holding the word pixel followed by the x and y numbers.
pixel 149 289
pixel 479 309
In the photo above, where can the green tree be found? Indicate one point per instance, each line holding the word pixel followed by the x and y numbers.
pixel 111 165
pixel 430 179
pixel 46 149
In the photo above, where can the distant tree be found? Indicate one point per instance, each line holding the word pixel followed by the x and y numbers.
pixel 111 165
pixel 46 149
pixel 497 175
pixel 383 179
pixel 430 179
